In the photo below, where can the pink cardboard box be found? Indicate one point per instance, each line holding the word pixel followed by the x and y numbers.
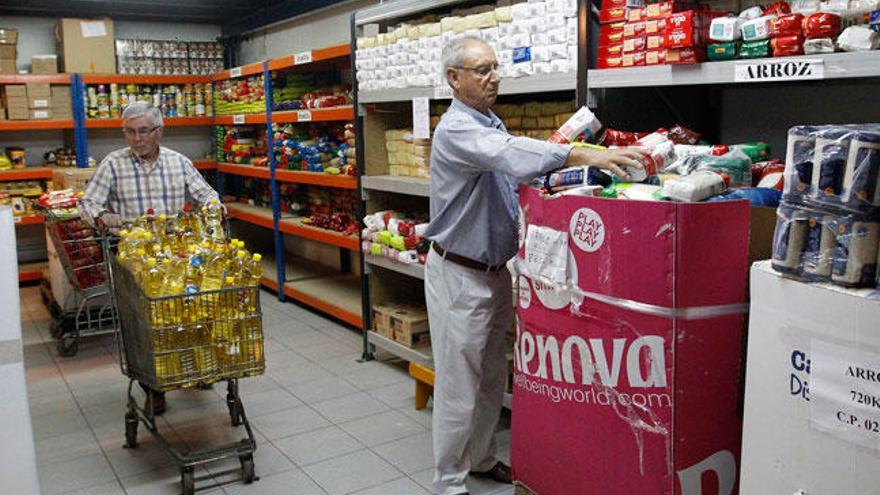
pixel 629 348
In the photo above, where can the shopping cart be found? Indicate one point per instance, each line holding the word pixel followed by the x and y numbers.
pixel 181 341
pixel 88 309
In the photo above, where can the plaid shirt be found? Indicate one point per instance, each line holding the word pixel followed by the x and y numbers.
pixel 128 186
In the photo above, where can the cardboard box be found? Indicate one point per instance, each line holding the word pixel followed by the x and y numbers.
pixel 410 326
pixel 614 395
pixel 15 90
pixel 41 102
pixel 8 36
pixel 811 418
pixel 38 90
pixel 17 113
pixel 8 66
pixel 61 91
pixel 40 114
pixel 44 64
pixel 8 52
pixel 72 178
pixel 86 45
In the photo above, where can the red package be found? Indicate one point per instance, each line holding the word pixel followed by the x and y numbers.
pixel 720 149
pixel 633 29
pixel 680 134
pixel 684 56
pixel 633 59
pixel 684 20
pixel 821 25
pixel 684 38
pixel 786 25
pixel 634 45
pixel 656 42
pixel 616 14
pixel 660 10
pixel 610 51
pixel 611 34
pixel 655 57
pixel 778 8
pixel 614 137
pixel 761 170
pixel 609 62
pixel 635 14
pixel 655 26
pixel 786 46
pixel 611 4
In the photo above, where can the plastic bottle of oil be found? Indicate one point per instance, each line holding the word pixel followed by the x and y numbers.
pixel 213 221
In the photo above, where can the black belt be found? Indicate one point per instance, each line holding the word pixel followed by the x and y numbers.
pixel 466 262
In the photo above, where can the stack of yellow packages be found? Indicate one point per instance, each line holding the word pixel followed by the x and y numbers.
pixel 407 156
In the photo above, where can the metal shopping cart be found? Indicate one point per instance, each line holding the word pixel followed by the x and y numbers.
pixel 181 341
pixel 88 307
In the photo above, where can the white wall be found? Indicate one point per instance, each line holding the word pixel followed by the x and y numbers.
pixel 329 27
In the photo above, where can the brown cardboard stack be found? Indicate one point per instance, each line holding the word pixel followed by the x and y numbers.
pixel 86 46
pixel 404 323
pixel 60 104
pixel 72 178
pixel 16 102
pixel 39 97
pixel 44 64
pixel 8 50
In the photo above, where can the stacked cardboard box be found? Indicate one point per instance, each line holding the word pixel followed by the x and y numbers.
pixel 8 50
pixel 44 64
pixel 60 103
pixel 39 98
pixel 86 45
pixel 404 323
pixel 16 101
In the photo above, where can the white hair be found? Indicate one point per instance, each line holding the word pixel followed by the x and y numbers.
pixel 453 52
pixel 143 109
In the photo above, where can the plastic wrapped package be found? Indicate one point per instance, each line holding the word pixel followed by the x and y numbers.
pixel 721 51
pixel 751 13
pixel 756 29
pixel 805 7
pixel 755 49
pixel 694 187
pixel 858 38
pixel 822 25
pixel 725 29
pixel 818 45
pixel 786 25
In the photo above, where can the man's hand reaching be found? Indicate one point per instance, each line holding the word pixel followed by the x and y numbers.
pixel 615 161
pixel 111 222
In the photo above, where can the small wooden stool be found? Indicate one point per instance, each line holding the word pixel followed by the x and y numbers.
pixel 424 378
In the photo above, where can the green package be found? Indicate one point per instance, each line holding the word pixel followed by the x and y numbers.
pixel 721 51
pixel 755 49
pixel 756 151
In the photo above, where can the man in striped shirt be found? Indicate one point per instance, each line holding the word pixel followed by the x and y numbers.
pixel 142 177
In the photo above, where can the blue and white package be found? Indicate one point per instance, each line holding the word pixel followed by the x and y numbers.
pixel 862 176
pixel 522 54
pixel 788 239
pixel 855 258
pixel 819 246
pixel 799 162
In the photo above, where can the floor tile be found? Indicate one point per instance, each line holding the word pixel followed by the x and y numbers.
pixel 75 474
pixel 396 395
pixel 350 407
pixel 326 350
pixel 319 445
pixel 300 341
pixel 377 377
pixel 290 422
pixel 382 428
pixel 293 482
pixel 61 423
pixel 166 481
pixel 299 374
pixel 422 416
pixel 52 404
pixel 66 447
pixel 285 359
pixel 352 472
pixel 320 390
pixel 150 454
pixel 269 402
pixel 268 460
pixel 409 455
pixel 402 486
pixel 344 365
pixel 111 488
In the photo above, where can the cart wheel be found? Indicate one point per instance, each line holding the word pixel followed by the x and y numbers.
pixel 247 468
pixel 56 329
pixel 68 346
pixel 131 430
pixel 187 480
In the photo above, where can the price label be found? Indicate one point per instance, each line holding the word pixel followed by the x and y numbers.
pixel 766 70
pixel 442 92
pixel 303 115
pixel 235 72
pixel 238 119
pixel 302 58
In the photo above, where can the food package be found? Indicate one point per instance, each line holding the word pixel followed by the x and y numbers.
pixel 610 51
pixel 755 49
pixel 661 10
pixel 858 38
pixel 684 56
pixel 786 25
pixel 608 16
pixel 785 46
pixel 615 137
pixel 611 62
pixel 818 45
pixel 655 26
pixel 751 13
pixel 611 34
pixel 822 25
pixel 721 51
pixel 680 134
pixel 655 57
pixel 756 29
pixel 725 29
pixel 695 187
pixel 777 8
pixel 634 59
pixel 635 44
pixel 634 29
pixel 635 14
pixel 582 121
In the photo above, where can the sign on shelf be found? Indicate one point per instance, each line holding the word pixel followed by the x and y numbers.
pixel 302 58
pixel 783 69
pixel 238 119
pixel 303 115
pixel 235 72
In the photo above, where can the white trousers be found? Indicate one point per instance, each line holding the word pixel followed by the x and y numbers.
pixel 469 312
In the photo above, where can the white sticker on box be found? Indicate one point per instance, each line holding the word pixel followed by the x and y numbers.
pixel 525 293
pixel 302 58
pixel 238 119
pixel 552 296
pixel 783 69
pixel 587 230
pixel 41 114
pixel 235 72
pixel 40 103
pixel 546 252
pixel 442 92
pixel 845 393
pixel 303 115
pixel 93 29
pixel 421 118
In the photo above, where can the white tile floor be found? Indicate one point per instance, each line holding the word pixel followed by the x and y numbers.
pixel 325 423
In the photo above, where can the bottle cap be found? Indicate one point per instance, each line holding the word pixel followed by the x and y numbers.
pixel 258 256
pixel 230 280
pixel 151 261
pixel 241 254
pixel 141 251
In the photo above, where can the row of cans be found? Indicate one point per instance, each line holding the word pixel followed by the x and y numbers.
pixel 820 245
pixel 834 166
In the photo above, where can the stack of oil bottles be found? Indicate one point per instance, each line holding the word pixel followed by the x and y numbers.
pixel 201 296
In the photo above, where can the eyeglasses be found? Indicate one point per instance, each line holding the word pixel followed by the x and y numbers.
pixel 143 131
pixel 482 71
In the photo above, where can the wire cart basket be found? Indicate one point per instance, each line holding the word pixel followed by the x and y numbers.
pixel 181 341
pixel 84 263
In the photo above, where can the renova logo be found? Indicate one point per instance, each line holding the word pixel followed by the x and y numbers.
pixel 587 230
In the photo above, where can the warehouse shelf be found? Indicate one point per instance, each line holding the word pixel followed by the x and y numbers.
pixel 31 272
pixel 415 270
pixel 836 66
pixel 28 173
pixel 166 121
pixel 421 356
pixel 342 113
pixel 35 78
pixel 245 170
pixel 244 70
pixel 241 119
pixel 541 83
pixel 316 178
pixel 28 220
pixel 256 215
pixel 205 164
pixel 413 186
pixel 144 79
pixel 310 56
pixel 296 227
pixel 35 125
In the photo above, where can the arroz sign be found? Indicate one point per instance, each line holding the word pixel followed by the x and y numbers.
pixel 783 69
